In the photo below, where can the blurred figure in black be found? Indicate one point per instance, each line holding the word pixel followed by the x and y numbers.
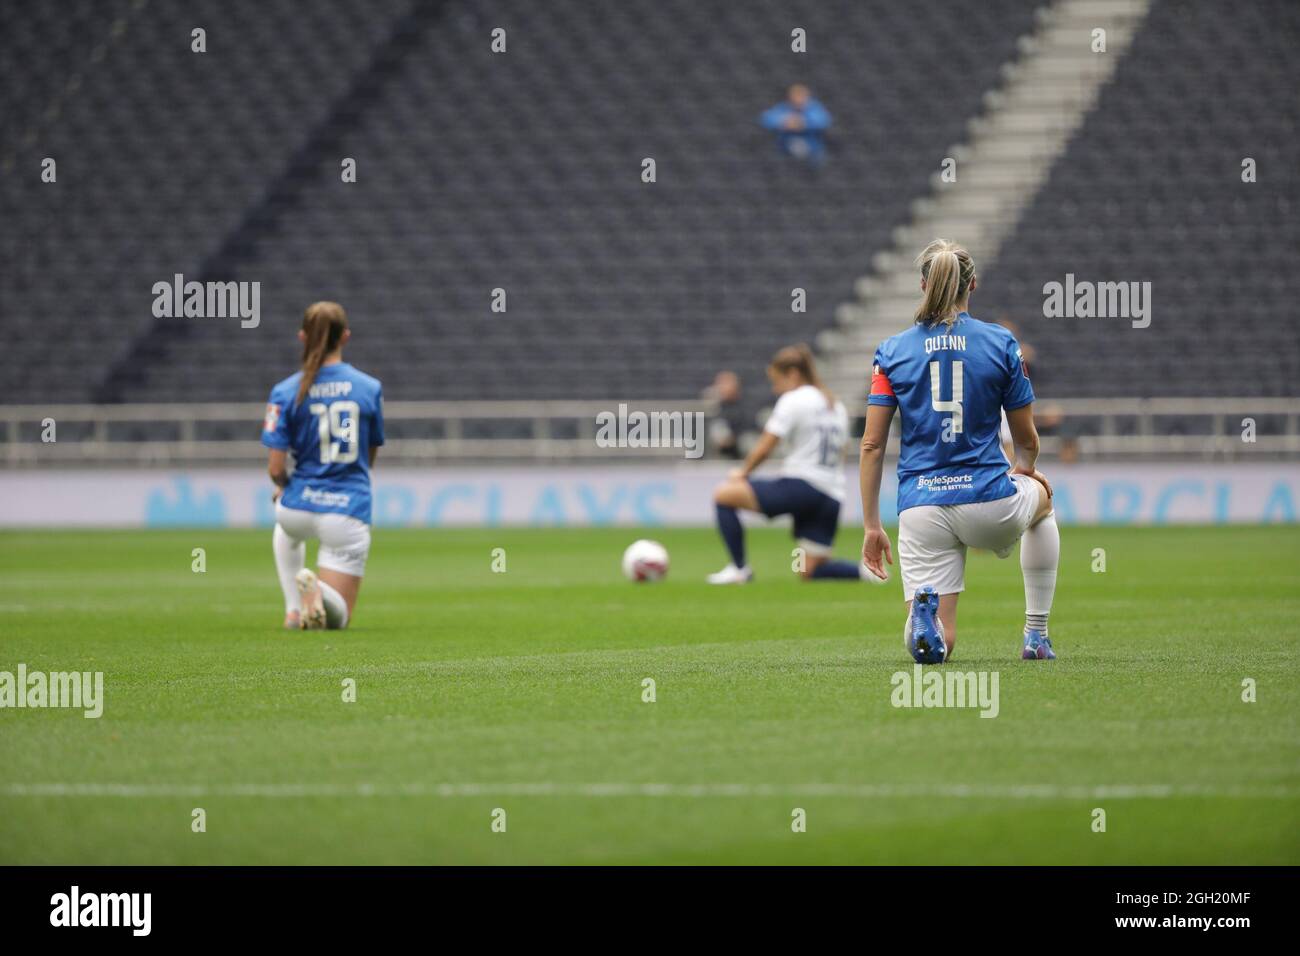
pixel 726 427
pixel 1048 419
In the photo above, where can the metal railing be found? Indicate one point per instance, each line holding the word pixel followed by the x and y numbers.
pixel 565 431
pixel 221 433
pixel 1200 428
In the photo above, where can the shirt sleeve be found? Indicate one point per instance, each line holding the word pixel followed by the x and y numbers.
pixel 882 392
pixel 781 420
pixel 1019 392
pixel 275 426
pixel 816 117
pixel 377 423
pixel 773 118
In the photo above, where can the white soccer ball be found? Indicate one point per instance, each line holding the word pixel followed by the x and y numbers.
pixel 645 560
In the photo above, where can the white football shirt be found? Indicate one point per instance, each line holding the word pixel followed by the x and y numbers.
pixel 814 434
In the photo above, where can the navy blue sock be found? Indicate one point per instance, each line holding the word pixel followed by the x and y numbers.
pixel 836 569
pixel 733 535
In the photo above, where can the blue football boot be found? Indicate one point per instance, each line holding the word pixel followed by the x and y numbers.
pixel 1038 647
pixel 925 635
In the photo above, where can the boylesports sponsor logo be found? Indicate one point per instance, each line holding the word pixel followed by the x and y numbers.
pixel 945 482
pixel 326 499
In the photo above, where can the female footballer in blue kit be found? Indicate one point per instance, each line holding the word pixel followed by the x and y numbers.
pixel 331 416
pixel 815 426
pixel 950 377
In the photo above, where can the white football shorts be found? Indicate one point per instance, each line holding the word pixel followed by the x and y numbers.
pixel 344 540
pixel 932 539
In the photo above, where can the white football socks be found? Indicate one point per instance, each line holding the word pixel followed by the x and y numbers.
pixel 336 609
pixel 1040 553
pixel 290 557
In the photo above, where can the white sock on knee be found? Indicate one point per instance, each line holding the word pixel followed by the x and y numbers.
pixel 290 557
pixel 1040 553
pixel 336 609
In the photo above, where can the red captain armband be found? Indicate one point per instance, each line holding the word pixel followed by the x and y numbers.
pixel 880 382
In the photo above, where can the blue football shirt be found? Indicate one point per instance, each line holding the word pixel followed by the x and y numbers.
pixel 950 386
pixel 330 435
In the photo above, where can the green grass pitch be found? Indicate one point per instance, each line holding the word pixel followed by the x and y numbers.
pixel 523 691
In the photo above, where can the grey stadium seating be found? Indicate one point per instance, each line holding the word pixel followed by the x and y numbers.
pixel 521 171
pixel 1151 190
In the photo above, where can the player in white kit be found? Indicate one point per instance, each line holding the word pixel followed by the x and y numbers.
pixel 814 425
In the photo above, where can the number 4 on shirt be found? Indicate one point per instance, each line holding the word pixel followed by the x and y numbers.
pixel 937 402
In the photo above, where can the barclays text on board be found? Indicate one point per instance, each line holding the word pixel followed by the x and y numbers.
pixel 676 494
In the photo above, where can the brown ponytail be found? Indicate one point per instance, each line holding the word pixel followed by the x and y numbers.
pixel 800 358
pixel 323 325
pixel 948 270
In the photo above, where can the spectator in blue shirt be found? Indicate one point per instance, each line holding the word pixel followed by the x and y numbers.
pixel 800 124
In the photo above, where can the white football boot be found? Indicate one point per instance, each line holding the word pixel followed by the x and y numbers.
pixel 312 616
pixel 732 575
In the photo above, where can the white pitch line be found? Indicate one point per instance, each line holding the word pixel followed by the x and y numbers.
pixel 599 790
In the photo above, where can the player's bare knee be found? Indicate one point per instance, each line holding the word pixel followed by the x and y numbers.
pixel 730 494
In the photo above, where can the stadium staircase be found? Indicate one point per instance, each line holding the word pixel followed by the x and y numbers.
pixel 1010 150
